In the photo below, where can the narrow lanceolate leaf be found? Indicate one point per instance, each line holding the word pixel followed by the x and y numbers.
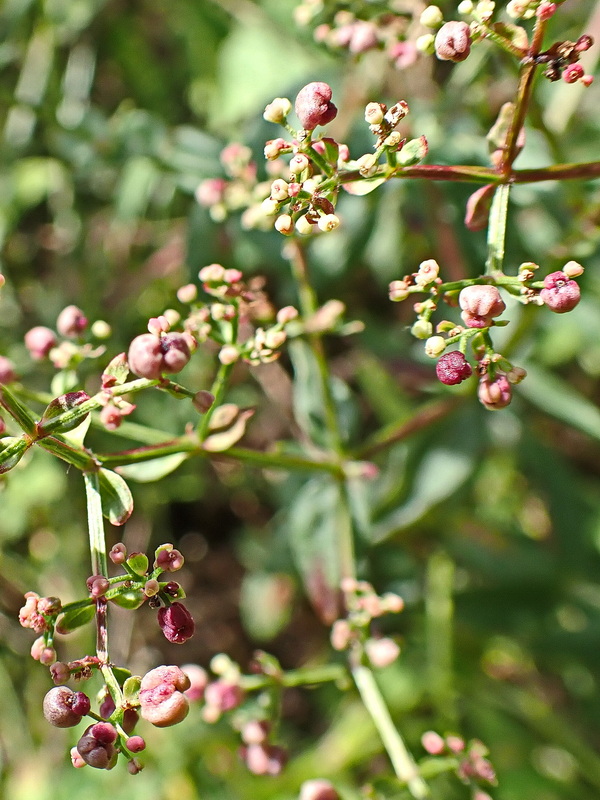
pixel 17 410
pixel 116 372
pixel 149 471
pixel 478 208
pixel 11 452
pixel 71 620
pixel 223 439
pixel 117 502
pixel 64 413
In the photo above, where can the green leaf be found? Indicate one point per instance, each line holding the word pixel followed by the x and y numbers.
pixel 130 599
pixel 61 414
pixel 149 471
pixel 71 620
pixel 116 371
pixel 224 439
pixel 364 186
pixel 265 604
pixel 413 151
pixel 122 674
pixel 17 410
pixel 12 449
pixel 117 502
pixel 312 530
pixel 131 689
pixel 66 380
pixel 557 398
pixel 309 403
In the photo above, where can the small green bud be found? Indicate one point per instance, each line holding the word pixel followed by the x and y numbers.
pixel 432 17
pixel 138 562
pixel 422 329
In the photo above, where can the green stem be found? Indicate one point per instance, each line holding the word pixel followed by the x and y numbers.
pixel 18 411
pixel 587 170
pixel 218 391
pixel 404 765
pixel 308 306
pixel 497 230
pixel 309 676
pixel 439 612
pixel 100 567
pixel 95 524
pixel 398 432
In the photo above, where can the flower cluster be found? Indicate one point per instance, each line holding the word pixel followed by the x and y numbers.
pixel 375 29
pixel 138 583
pixel 228 318
pixel 453 39
pixel 67 347
pixel 473 768
pixel 157 697
pixel 481 304
pixel 304 196
pixel 307 172
pixel 354 631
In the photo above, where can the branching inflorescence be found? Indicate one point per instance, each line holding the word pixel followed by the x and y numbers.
pixel 307 173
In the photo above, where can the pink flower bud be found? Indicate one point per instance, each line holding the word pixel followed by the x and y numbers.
pixel 58 707
pixel 161 696
pixel 495 394
pixel 176 623
pixel 168 559
pixel 96 746
pixel 176 351
pixel 433 743
pixel 60 672
pixel 135 744
pixel 572 73
pixel 118 553
pixel 453 368
pixel 255 731
pixel 560 293
pixel 313 105
pixel 76 759
pixel 480 304
pixel 223 695
pixel 453 41
pixel 546 10
pixel 39 341
pixel 274 148
pixel 198 681
pixel 583 43
pixel 97 585
pixel 363 38
pixel 382 652
pixel 7 370
pixel 455 743
pixel 318 789
pixel 145 356
pixel 71 322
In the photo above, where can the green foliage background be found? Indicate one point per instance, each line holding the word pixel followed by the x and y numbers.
pixel 111 114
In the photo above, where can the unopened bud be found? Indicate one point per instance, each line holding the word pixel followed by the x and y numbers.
pixel 422 329
pixel 284 224
pixel 435 346
pixel 431 17
pixel 453 41
pixel 277 110
pixel 328 222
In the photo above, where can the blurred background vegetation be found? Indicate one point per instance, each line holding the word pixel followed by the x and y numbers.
pixel 488 524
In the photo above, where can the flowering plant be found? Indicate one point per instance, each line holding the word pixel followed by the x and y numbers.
pixel 335 451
